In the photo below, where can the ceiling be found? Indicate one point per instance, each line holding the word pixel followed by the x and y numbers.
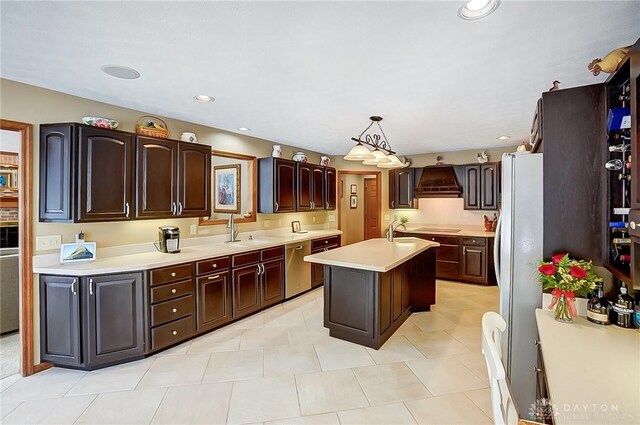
pixel 309 74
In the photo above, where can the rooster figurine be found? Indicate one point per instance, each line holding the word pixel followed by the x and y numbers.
pixel 483 157
pixel 555 85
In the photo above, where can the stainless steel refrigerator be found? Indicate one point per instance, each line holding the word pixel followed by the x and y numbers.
pixel 518 249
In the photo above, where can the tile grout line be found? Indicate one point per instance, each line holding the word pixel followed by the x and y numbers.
pixel 155 412
pixel 226 419
pixel 145 372
pixel 360 385
pixel 95 397
pixel 476 404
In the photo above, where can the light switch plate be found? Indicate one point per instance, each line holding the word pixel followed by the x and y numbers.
pixel 386 217
pixel 332 217
pixel 193 230
pixel 267 223
pixel 44 243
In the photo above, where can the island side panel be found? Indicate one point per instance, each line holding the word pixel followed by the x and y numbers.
pixel 422 281
pixel 349 300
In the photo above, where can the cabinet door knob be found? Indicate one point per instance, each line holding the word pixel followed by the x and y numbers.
pixel 215 266
pixel 174 332
pixel 174 310
pixel 536 369
pixel 173 274
pixel 174 290
pixel 633 225
pixel 276 206
pixel 90 286
pixel 473 240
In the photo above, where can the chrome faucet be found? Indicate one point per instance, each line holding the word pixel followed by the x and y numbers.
pixel 233 230
pixel 392 229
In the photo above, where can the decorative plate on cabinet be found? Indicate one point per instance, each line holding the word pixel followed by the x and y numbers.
pixel 101 122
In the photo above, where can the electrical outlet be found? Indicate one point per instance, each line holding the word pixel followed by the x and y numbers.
pixel 332 217
pixel 279 222
pixel 314 218
pixel 266 224
pixel 193 230
pixel 44 243
pixel 386 217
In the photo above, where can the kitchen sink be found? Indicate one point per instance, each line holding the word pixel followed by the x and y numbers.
pixel 408 239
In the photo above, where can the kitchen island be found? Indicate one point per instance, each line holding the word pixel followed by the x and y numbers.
pixel 372 287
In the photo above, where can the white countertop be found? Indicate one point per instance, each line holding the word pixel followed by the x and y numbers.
pixel 449 230
pixel 593 372
pixel 376 255
pixel 192 249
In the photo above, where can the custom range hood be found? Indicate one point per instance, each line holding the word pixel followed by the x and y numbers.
pixel 438 181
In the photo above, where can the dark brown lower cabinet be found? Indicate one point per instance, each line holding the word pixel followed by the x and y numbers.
pixel 367 307
pixel 60 334
pixel 257 285
pixel 272 279
pixel 246 290
pixel 319 245
pixel 214 301
pixel 110 329
pixel 114 318
pixel 474 259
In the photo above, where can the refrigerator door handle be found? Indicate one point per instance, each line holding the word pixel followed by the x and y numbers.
pixel 496 250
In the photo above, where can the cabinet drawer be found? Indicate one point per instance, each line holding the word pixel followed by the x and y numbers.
pixel 171 310
pixel 171 333
pixel 447 269
pixel 448 252
pixel 212 265
pixel 171 274
pixel 441 239
pixel 245 258
pixel 272 253
pixel 474 241
pixel 319 244
pixel 170 291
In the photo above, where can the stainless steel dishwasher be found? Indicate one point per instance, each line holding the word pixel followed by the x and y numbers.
pixel 298 271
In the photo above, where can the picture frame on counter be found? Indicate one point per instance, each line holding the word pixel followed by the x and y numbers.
pixel 353 202
pixel 354 189
pixel 77 252
pixel 295 226
pixel 226 180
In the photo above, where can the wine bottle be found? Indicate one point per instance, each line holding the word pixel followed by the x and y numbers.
pixel 619 148
pixel 614 165
pixel 598 307
pixel 623 307
pixel 618 224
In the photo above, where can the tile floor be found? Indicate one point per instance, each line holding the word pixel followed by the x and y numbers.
pixel 281 367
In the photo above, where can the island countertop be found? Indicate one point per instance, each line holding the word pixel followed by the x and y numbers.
pixel 378 255
pixel 592 371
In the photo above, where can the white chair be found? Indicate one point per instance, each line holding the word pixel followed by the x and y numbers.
pixel 502 404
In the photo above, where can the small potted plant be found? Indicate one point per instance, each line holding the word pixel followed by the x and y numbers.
pixel 566 278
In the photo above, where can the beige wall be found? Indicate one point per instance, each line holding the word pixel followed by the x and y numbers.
pixel 35 105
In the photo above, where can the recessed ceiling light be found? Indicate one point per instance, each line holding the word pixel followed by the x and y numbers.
pixel 120 72
pixel 503 137
pixel 244 129
pixel 476 9
pixel 203 98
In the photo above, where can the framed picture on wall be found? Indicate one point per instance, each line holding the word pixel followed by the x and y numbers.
pixel 354 189
pixel 353 202
pixel 226 180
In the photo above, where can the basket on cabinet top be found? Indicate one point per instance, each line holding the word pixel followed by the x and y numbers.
pixel 153 131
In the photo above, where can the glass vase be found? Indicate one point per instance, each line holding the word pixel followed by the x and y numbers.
pixel 562 310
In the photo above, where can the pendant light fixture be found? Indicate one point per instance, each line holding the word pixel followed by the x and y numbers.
pixel 381 156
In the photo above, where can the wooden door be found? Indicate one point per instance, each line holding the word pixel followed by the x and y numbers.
pixel 472 187
pixel 330 188
pixel 393 189
pixel 214 301
pixel 114 317
pixel 305 186
pixel 284 186
pixel 55 172
pixel 272 282
pixel 474 263
pixel 105 175
pixel 60 320
pixel 318 189
pixel 246 290
pixel 194 180
pixel 490 186
pixel 371 210
pixel 404 188
pixel 156 178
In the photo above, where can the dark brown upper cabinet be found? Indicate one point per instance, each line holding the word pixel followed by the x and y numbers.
pixel 173 178
pixel 90 174
pixel 330 195
pixel 310 180
pixel 288 186
pixel 401 187
pixel 482 186
pixel 86 174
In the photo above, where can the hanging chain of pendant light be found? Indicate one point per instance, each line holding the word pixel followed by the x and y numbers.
pixel 382 155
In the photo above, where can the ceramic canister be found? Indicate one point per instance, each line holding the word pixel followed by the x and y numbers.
pixel 188 137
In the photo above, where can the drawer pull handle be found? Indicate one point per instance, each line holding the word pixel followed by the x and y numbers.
pixel 326 241
pixel 633 225
pixel 174 310
pixel 213 277
pixel 174 332
pixel 173 274
pixel 174 290
pixel 536 369
pixel 215 266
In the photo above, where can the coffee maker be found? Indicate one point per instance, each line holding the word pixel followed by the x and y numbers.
pixel 168 239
